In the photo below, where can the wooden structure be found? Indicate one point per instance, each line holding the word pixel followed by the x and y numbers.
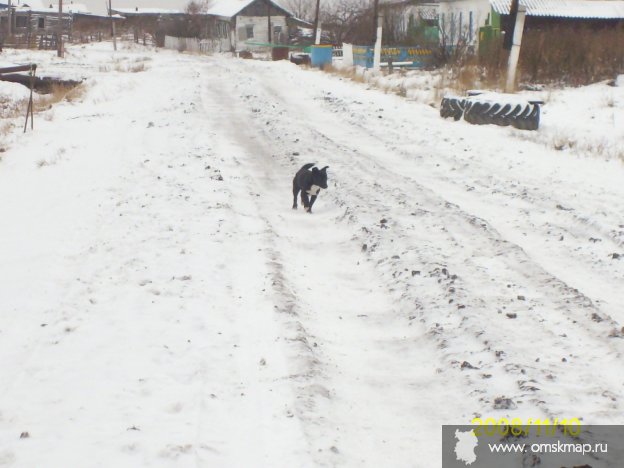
pixel 24 26
pixel 471 21
pixel 31 23
pixel 155 22
pixel 87 27
pixel 31 69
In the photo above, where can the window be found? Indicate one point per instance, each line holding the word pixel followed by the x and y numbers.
pixel 21 21
pixel 249 29
pixel 222 29
pixel 41 23
pixel 277 34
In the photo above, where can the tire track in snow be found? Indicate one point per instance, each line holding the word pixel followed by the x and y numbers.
pixel 566 227
pixel 371 380
pixel 565 324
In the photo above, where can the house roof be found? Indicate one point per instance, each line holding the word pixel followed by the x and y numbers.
pixel 41 6
pixel 147 11
pixel 32 4
pixel 588 9
pixel 230 8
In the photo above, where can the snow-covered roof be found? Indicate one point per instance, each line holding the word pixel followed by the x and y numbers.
pixel 590 9
pixel 49 7
pixel 28 4
pixel 230 8
pixel 147 11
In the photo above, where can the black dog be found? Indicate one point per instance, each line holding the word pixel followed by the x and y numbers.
pixel 310 182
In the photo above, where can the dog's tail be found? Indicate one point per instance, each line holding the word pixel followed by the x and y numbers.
pixel 307 166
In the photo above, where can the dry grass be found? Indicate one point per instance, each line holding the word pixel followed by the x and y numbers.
pixel 564 55
pixel 572 55
pixel 351 73
pixel 57 94
pixel 123 66
pixel 11 109
pixel 137 67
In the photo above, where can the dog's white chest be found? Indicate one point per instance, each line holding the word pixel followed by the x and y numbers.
pixel 314 190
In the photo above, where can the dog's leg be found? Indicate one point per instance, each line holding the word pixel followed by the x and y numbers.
pixel 312 200
pixel 305 201
pixel 295 193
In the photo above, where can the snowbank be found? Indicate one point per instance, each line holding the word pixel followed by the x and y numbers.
pixel 588 120
pixel 11 92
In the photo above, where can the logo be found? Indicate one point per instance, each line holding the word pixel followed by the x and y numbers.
pixel 465 447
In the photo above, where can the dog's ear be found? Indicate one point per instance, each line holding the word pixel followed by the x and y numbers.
pixel 325 168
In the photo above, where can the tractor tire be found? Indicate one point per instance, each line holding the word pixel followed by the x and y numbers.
pixel 528 119
pixel 475 112
pixel 520 120
pixel 521 115
pixel 452 107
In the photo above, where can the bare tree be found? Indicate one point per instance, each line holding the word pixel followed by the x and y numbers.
pixel 349 21
pixel 302 9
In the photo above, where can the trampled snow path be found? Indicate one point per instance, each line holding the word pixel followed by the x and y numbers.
pixel 163 306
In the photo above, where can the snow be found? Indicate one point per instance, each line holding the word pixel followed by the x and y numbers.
pixel 230 8
pixel 147 10
pixel 12 91
pixel 587 121
pixel 162 305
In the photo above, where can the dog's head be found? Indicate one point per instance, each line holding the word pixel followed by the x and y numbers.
pixel 319 177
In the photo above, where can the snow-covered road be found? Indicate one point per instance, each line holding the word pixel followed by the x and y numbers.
pixel 162 305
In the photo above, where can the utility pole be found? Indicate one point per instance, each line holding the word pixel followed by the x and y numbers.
pixel 110 14
pixel 514 55
pixel 375 20
pixel 59 34
pixel 317 29
pixel 10 18
pixel 269 20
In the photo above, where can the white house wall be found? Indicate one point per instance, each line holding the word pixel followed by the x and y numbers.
pixel 461 20
pixel 260 29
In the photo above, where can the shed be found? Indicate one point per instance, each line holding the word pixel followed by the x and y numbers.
pixel 460 21
pixel 153 21
pixel 33 21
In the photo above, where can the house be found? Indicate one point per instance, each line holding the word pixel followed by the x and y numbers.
pixel 33 21
pixel 87 26
pixel 249 24
pixel 155 22
pixel 470 21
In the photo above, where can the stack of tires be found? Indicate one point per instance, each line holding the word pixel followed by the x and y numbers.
pixel 492 108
